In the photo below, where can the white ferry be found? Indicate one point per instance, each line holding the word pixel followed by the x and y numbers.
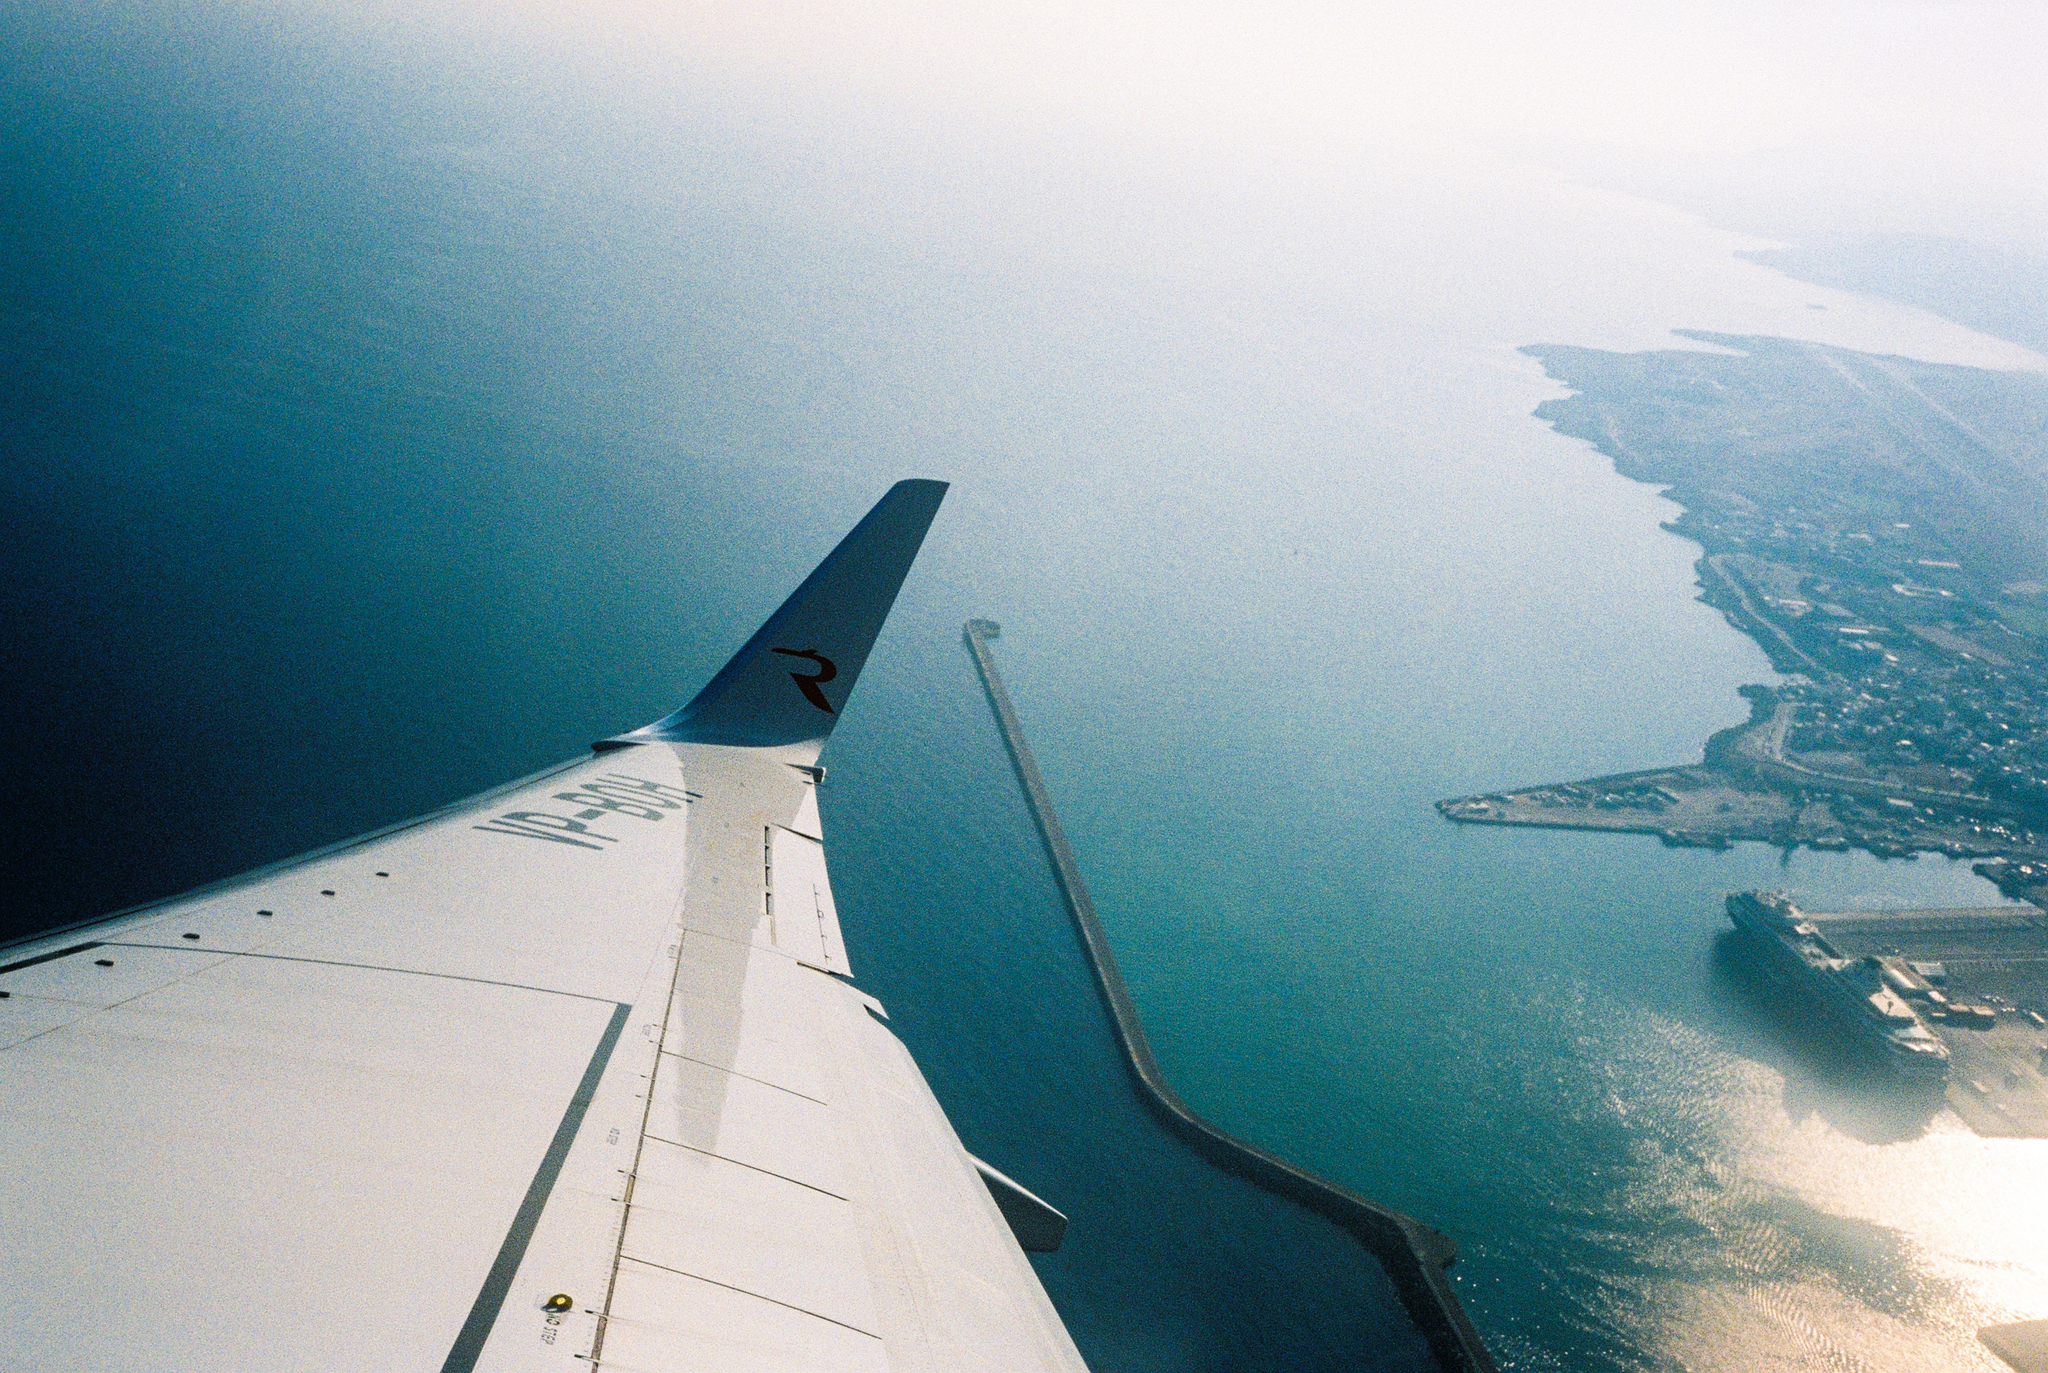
pixel 1856 990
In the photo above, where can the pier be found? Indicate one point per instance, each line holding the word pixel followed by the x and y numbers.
pixel 1987 1001
pixel 1414 1255
pixel 1974 979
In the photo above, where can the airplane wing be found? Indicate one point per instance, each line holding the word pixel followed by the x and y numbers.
pixel 571 1075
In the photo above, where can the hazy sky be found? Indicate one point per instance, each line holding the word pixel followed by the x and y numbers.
pixel 1810 118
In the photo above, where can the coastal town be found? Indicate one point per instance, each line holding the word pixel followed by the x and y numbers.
pixel 1880 527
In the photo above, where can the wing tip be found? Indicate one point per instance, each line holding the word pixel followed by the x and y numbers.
pixel 764 697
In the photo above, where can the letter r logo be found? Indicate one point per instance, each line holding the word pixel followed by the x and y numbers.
pixel 809 685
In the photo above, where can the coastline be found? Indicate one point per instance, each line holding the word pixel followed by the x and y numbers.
pixel 1867 523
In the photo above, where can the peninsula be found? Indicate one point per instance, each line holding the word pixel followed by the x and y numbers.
pixel 1880 527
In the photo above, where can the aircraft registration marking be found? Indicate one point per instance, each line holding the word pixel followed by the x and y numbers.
pixel 605 798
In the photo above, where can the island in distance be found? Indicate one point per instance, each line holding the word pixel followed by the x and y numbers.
pixel 1880 527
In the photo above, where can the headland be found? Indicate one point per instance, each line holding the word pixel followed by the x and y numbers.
pixel 1880 527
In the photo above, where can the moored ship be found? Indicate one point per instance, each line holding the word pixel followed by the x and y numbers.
pixel 1864 996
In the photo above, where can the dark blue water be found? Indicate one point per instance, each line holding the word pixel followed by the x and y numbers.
pixel 1169 1263
pixel 397 405
pixel 283 532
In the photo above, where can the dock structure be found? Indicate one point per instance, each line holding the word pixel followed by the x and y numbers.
pixel 1985 976
pixel 1975 979
pixel 1414 1255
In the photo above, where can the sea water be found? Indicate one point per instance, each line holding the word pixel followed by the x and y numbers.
pixel 397 413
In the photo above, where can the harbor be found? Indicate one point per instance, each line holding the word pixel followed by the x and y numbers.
pixel 1955 999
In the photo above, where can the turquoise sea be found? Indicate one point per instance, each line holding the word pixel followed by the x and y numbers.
pixel 396 406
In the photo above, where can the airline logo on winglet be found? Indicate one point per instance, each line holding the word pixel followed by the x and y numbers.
pixel 827 670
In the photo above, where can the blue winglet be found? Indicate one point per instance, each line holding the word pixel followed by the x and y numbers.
pixel 788 685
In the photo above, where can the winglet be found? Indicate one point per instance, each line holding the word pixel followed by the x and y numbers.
pixel 788 685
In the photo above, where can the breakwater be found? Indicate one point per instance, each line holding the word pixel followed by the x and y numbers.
pixel 1414 1255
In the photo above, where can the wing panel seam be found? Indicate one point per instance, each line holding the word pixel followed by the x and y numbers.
pixel 338 963
pixel 753 1167
pixel 803 1096
pixel 483 1315
pixel 50 957
pixel 803 1310
pixel 668 1010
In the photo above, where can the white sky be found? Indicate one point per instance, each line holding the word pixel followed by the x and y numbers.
pixel 1834 117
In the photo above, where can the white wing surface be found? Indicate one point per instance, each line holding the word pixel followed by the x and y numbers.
pixel 569 1076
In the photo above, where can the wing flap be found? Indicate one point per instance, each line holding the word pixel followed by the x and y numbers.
pixel 672 1323
pixel 806 925
pixel 748 1122
pixel 946 1265
pixel 742 1228
pixel 745 1012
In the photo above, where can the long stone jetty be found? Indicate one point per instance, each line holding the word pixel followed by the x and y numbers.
pixel 1414 1255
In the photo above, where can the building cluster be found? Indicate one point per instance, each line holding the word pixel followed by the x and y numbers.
pixel 1909 666
pixel 1964 717
pixel 1988 725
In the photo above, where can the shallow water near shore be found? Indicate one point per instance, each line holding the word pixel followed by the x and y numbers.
pixel 382 439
